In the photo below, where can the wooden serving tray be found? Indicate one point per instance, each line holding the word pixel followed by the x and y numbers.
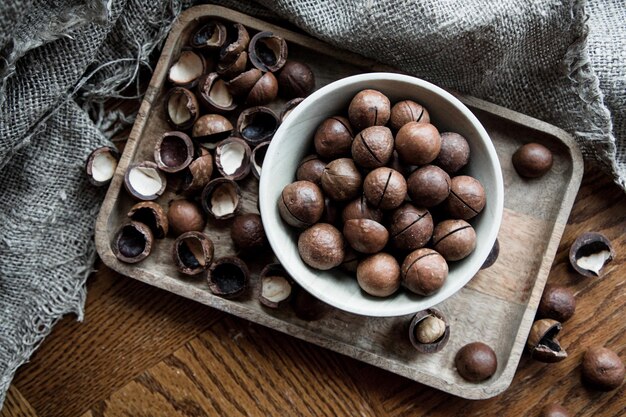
pixel 496 307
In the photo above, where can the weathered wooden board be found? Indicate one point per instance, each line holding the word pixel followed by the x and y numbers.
pixel 496 307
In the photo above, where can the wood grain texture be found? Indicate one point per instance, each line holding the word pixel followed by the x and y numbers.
pixel 500 302
pixel 307 369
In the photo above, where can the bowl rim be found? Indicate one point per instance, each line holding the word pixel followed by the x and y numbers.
pixel 498 204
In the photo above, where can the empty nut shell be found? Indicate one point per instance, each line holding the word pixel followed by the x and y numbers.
pixel 590 253
pixel 407 111
pixel 221 198
pixel 210 129
pixel 476 362
pixel 373 147
pixel 186 71
pixel 369 108
pixel 228 277
pixel 379 275
pixel 247 232
pixel 321 246
pixel 467 197
pixel 214 95
pixel 542 343
pixel 365 235
pixel 301 204
pixel 454 153
pixel 454 239
pixel 418 143
pixel 385 188
pixel 264 90
pixel 132 242
pixel 360 209
pixel 237 40
pixel 602 369
pixel 185 216
pixel 424 271
pixel 144 181
pixel 333 138
pixel 532 160
pixel 428 186
pixel 101 165
pixel 192 252
pixel 182 108
pixel 210 35
pixel 311 169
pixel 276 286
pixel 198 173
pixel 557 303
pixel 173 152
pixel 341 180
pixel 295 79
pixel 232 158
pixel 429 331
pixel 410 227
pixel 257 158
pixel 152 215
pixel 257 124
pixel 267 51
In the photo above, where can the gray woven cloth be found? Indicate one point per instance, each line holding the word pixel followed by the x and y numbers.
pixel 562 61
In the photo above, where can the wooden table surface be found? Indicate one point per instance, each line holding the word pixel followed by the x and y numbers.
pixel 144 352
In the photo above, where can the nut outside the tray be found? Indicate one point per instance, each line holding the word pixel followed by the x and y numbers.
pixel 590 253
pixel 228 277
pixel 429 331
pixel 542 343
pixel 257 158
pixel 232 158
pixel 101 165
pixel 257 124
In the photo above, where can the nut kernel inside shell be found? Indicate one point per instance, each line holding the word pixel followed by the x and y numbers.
pixel 187 68
pixel 224 200
pixel 430 329
pixel 275 288
pixel 103 166
pixel 233 156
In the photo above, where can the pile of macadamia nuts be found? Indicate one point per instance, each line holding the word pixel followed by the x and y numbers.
pixel 382 196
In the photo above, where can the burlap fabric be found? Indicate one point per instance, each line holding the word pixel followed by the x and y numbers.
pixel 562 61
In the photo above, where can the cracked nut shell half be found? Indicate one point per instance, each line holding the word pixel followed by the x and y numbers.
pixel 210 35
pixel 152 215
pixel 187 69
pixel 257 158
pixel 221 198
pixel 182 108
pixel 101 165
pixel 429 331
pixel 590 253
pixel 210 129
pixel 228 277
pixel 229 70
pixel 542 343
pixel 192 252
pixel 241 85
pixel 237 40
pixel 198 173
pixel 232 158
pixel 144 181
pixel 132 242
pixel 257 124
pixel 173 151
pixel 264 90
pixel 268 52
pixel 276 286
pixel 214 95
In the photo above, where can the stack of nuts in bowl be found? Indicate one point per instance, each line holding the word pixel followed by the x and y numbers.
pixel 217 100
pixel 381 197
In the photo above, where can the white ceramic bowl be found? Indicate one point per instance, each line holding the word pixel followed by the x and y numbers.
pixel 293 141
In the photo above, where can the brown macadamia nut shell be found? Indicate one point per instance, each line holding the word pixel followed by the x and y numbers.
pixel 379 275
pixel 321 246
